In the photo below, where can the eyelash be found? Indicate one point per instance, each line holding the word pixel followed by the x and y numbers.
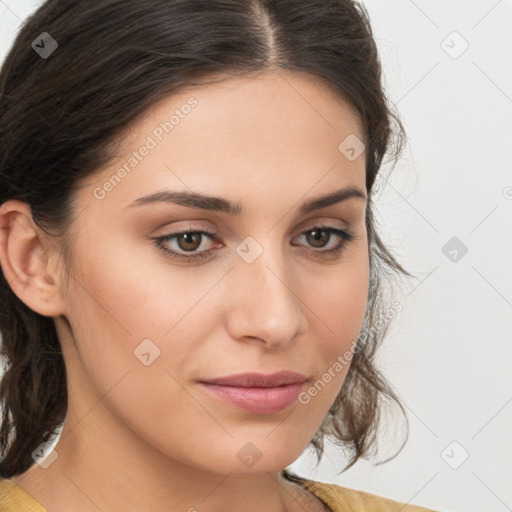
pixel 345 236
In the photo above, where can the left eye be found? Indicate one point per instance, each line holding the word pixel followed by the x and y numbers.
pixel 190 240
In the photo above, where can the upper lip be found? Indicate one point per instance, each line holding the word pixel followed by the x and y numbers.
pixel 258 380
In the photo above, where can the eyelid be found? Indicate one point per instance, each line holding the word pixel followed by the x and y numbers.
pixel 323 221
pixel 345 235
pixel 211 229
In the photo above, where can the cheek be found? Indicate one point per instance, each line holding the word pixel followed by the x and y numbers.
pixel 127 291
pixel 112 308
pixel 339 311
pixel 125 298
pixel 125 313
pixel 131 312
pixel 342 301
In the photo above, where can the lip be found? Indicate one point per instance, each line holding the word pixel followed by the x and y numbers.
pixel 258 380
pixel 255 392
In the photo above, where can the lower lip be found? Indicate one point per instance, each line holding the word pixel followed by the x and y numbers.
pixel 257 400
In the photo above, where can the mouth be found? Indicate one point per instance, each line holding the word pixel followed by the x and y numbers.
pixel 257 393
pixel 259 380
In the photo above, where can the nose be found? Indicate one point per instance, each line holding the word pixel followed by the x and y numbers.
pixel 264 304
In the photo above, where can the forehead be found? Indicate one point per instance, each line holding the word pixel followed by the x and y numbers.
pixel 255 105
pixel 244 132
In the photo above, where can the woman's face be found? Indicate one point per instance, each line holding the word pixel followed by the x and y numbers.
pixel 261 291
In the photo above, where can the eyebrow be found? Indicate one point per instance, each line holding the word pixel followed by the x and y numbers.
pixel 218 204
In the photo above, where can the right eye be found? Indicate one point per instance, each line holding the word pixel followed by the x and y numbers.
pixel 188 241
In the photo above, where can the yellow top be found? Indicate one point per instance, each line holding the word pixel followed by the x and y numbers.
pixel 339 499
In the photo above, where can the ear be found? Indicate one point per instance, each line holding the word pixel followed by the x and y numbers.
pixel 25 256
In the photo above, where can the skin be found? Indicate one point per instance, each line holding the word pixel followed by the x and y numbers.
pixel 149 438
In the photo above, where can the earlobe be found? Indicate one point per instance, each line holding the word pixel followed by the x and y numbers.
pixel 24 259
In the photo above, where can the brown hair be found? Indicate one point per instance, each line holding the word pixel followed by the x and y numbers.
pixel 115 58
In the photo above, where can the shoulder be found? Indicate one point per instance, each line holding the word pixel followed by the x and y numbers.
pixel 343 499
pixel 13 498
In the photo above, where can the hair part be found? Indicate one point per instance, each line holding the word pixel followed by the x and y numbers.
pixel 62 120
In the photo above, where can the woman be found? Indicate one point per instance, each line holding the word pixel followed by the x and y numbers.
pixel 191 274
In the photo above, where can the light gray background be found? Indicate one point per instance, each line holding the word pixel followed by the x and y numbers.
pixel 449 353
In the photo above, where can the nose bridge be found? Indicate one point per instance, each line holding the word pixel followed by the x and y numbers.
pixel 265 305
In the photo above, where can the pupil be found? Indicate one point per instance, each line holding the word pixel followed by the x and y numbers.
pixel 189 239
pixel 319 235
